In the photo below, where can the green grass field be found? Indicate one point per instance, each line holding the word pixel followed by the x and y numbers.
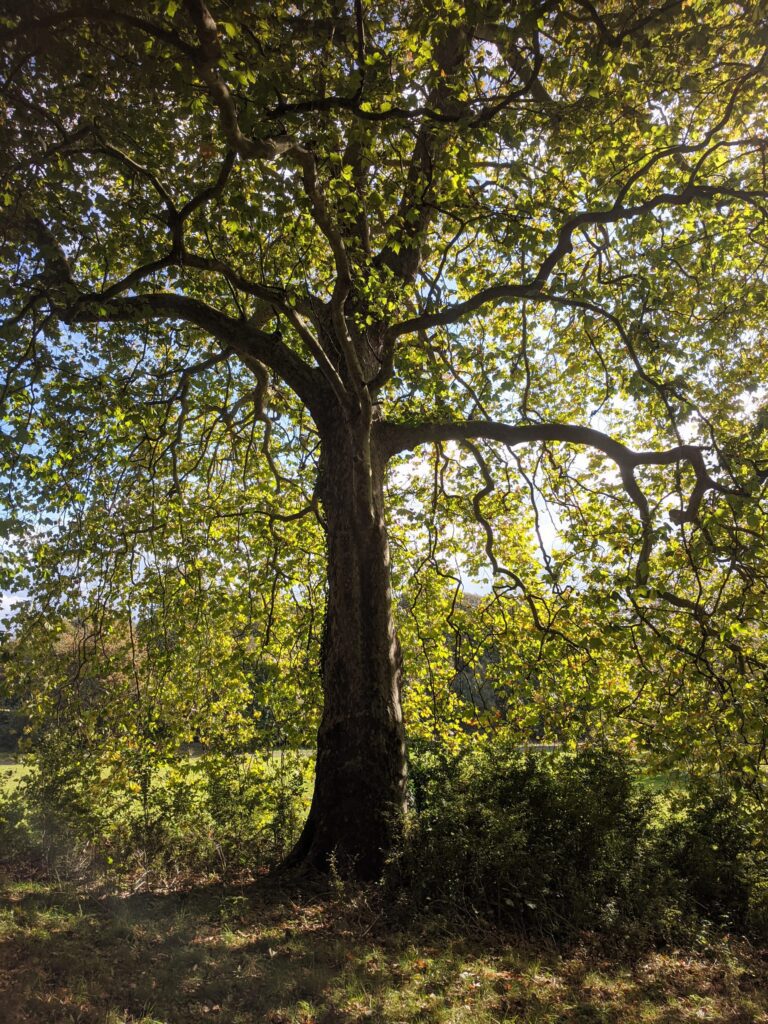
pixel 264 954
pixel 11 774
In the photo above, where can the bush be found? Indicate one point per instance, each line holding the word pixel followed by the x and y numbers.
pixel 222 815
pixel 17 846
pixel 256 807
pixel 557 843
pixel 714 844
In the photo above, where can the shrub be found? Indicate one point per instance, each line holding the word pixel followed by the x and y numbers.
pixel 221 815
pixel 17 846
pixel 557 843
pixel 256 807
pixel 714 844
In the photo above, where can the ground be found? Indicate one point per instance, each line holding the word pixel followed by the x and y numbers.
pixel 265 954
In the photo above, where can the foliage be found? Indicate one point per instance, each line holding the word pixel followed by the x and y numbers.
pixel 554 844
pixel 715 843
pixel 116 707
pixel 222 816
pixel 514 253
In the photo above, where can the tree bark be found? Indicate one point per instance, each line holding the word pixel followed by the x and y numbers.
pixel 357 806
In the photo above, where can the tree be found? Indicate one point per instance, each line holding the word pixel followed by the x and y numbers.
pixel 533 229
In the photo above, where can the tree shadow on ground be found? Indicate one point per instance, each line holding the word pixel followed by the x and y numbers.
pixel 271 953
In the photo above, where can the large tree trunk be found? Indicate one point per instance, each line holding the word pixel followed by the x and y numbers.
pixel 357 806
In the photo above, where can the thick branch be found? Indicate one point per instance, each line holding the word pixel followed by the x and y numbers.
pixel 94 12
pixel 240 335
pixel 395 438
pixel 269 149
pixel 70 304
pixel 206 59
pixel 615 39
pixel 534 289
pixel 402 255
pixel 618 212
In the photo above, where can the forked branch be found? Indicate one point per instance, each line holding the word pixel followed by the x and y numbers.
pixel 394 438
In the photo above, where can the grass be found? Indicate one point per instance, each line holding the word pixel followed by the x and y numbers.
pixel 265 954
pixel 11 774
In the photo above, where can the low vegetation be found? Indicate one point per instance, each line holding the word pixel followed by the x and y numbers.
pixel 553 844
pixel 546 845
pixel 262 953
pixel 548 886
pixel 164 825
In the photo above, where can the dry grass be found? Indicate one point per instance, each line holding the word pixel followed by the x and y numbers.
pixel 266 954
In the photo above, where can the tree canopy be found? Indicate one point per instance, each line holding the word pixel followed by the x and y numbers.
pixel 432 297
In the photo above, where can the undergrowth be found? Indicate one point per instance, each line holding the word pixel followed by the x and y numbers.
pixel 221 815
pixel 555 844
pixel 547 845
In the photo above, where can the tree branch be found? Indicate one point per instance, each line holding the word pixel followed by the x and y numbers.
pixel 615 39
pixel 96 12
pixel 618 212
pixel 533 290
pixel 394 438
pixel 206 59
pixel 269 149
pixel 240 335
pixel 71 305
pixel 546 628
